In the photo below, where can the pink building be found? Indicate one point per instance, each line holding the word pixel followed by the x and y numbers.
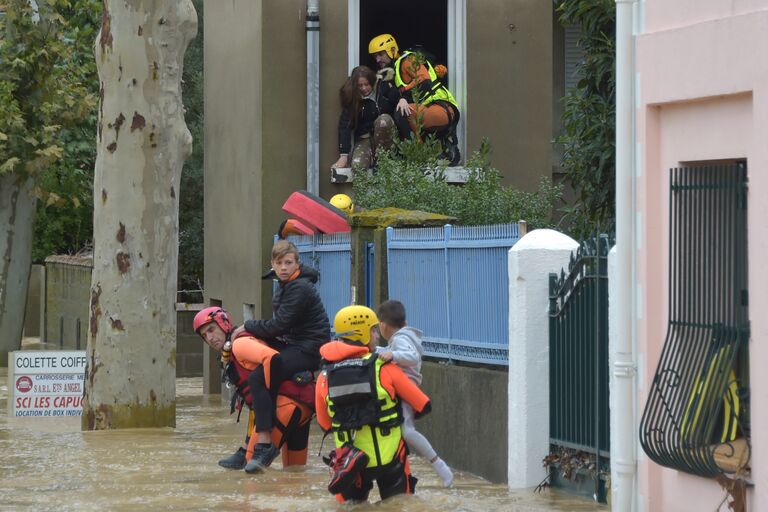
pixel 701 99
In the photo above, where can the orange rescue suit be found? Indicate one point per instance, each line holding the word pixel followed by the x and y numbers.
pixel 291 432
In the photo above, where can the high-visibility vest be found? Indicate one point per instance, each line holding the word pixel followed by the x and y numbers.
pixel 438 92
pixel 361 410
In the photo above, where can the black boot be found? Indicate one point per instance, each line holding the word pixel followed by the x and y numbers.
pixel 263 455
pixel 234 461
pixel 451 151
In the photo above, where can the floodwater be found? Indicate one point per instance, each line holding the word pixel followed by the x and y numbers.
pixel 49 464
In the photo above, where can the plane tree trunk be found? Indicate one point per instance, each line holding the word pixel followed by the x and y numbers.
pixel 17 216
pixel 142 142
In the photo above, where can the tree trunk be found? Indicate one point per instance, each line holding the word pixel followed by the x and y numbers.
pixel 142 142
pixel 17 215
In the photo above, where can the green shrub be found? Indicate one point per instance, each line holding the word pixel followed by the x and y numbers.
pixel 588 137
pixel 64 213
pixel 412 177
pixel 64 222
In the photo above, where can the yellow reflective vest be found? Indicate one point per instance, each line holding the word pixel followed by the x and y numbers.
pixel 438 92
pixel 361 410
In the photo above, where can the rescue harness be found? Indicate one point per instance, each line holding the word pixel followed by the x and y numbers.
pixel 361 409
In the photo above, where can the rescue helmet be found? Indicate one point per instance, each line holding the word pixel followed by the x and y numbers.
pixel 212 314
pixel 353 323
pixel 343 202
pixel 386 43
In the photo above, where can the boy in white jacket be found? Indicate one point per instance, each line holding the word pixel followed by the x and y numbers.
pixel 404 349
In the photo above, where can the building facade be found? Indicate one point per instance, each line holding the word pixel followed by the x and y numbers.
pixel 701 103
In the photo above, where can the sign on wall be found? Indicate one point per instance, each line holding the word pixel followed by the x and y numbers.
pixel 46 383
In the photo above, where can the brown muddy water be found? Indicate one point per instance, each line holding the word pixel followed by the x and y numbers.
pixel 49 464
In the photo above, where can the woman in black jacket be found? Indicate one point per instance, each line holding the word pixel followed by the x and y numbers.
pixel 367 110
pixel 298 327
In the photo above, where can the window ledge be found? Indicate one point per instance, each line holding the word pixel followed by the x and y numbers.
pixel 452 175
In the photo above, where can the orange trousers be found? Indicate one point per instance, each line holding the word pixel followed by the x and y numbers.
pixel 432 116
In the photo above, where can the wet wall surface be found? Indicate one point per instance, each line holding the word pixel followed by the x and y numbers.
pixel 49 464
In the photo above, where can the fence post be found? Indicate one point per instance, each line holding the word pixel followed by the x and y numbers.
pixel 522 228
pixel 447 229
pixel 530 262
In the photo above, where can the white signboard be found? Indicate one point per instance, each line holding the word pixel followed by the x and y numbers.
pixel 46 383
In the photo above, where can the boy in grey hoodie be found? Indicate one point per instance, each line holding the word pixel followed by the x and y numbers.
pixel 404 349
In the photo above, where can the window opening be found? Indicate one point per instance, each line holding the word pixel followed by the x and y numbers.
pixel 697 415
pixel 423 23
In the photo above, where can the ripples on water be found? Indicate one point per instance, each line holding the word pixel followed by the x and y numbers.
pixel 48 464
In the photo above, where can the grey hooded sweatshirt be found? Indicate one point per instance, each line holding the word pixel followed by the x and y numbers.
pixel 407 351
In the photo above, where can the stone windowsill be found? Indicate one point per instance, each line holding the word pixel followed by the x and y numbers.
pixel 452 175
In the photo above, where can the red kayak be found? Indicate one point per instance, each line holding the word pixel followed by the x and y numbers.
pixel 316 213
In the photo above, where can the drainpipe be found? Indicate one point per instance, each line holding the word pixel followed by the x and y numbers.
pixel 312 25
pixel 623 458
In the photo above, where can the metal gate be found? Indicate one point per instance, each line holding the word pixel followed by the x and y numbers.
pixel 578 358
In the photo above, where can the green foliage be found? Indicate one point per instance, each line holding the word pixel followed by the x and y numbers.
pixel 64 222
pixel 401 181
pixel 65 215
pixel 40 93
pixel 588 138
pixel 191 194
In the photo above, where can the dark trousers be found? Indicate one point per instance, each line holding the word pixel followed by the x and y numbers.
pixel 283 366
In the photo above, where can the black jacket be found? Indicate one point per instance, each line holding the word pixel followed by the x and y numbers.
pixel 298 315
pixel 383 100
pixel 369 111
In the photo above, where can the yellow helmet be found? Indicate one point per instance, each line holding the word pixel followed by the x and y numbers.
pixel 343 202
pixel 354 323
pixel 384 42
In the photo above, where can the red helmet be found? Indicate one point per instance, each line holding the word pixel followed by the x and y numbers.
pixel 212 314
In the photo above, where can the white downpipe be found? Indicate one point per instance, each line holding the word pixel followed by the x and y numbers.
pixel 313 96
pixel 623 458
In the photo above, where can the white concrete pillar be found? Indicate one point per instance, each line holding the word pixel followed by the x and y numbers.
pixel 530 262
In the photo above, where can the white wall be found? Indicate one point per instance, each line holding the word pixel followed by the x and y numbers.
pixel 531 260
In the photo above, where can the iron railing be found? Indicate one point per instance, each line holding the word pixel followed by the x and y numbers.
pixel 454 283
pixel 578 353
pixel 697 410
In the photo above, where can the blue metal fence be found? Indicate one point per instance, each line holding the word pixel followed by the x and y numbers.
pixel 453 281
pixel 331 256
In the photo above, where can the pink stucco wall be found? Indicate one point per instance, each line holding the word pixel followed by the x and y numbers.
pixel 702 87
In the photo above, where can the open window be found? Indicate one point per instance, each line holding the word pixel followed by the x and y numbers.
pixel 439 26
pixel 421 24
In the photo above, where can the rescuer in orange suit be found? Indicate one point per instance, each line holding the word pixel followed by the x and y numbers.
pixel 357 399
pixel 295 399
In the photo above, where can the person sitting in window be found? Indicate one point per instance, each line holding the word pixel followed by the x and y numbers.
pixel 367 118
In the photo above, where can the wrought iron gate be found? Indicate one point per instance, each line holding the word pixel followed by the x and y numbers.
pixel 578 357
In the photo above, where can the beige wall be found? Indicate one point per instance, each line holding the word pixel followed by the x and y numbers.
pixel 509 86
pixel 333 72
pixel 233 153
pixel 67 295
